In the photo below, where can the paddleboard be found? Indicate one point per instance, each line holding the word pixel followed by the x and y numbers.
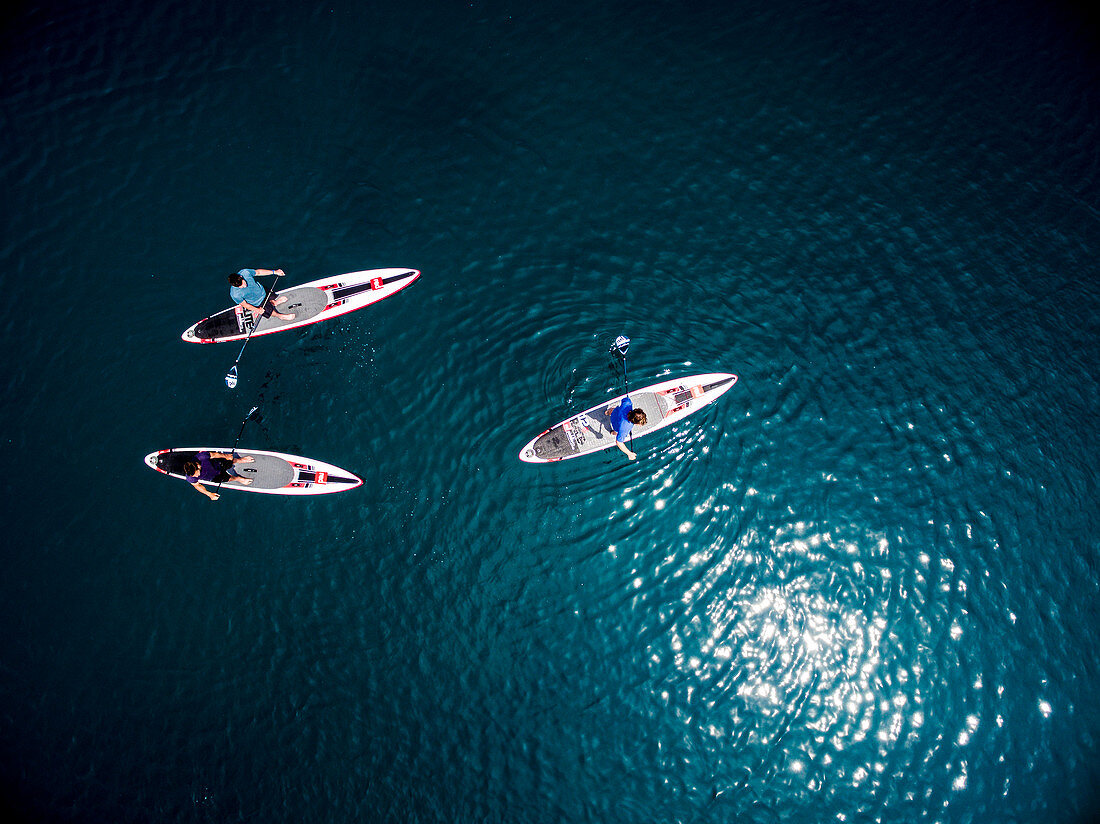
pixel 310 303
pixel 664 404
pixel 272 473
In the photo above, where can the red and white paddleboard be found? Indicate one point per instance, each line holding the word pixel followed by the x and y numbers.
pixel 310 302
pixel 272 473
pixel 664 404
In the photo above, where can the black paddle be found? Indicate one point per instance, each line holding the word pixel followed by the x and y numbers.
pixel 231 375
pixel 618 348
pixel 250 416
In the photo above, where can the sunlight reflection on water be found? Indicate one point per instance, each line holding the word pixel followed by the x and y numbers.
pixel 783 649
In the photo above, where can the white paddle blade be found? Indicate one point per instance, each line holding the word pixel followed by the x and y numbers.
pixel 231 379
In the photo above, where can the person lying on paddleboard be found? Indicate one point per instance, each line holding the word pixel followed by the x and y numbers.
pixel 216 467
pixel 623 418
pixel 247 293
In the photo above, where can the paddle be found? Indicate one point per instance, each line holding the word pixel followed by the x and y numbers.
pixel 618 348
pixel 231 375
pixel 250 416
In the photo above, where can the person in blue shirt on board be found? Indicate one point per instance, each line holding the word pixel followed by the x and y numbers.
pixel 622 420
pixel 248 294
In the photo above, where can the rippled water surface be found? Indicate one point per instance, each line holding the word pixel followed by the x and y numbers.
pixel 860 587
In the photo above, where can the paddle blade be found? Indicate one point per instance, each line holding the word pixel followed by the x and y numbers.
pixel 231 378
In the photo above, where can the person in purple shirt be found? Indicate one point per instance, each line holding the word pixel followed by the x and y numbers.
pixel 622 420
pixel 247 293
pixel 216 467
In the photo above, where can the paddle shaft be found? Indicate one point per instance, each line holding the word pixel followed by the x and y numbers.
pixel 240 432
pixel 255 323
pixel 626 384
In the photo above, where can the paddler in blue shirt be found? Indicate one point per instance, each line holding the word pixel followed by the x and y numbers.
pixel 248 294
pixel 622 420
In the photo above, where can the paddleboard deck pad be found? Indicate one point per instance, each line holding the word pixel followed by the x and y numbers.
pixel 310 303
pixel 271 472
pixel 663 403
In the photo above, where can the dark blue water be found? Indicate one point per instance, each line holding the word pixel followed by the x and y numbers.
pixel 861 587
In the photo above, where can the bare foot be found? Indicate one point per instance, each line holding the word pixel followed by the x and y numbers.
pixel 283 316
pixel 245 459
pixel 280 300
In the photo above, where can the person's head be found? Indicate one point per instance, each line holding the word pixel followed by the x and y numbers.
pixel 190 468
pixel 235 279
pixel 636 416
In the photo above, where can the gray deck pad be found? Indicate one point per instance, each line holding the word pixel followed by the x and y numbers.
pixel 598 434
pixel 303 301
pixel 266 472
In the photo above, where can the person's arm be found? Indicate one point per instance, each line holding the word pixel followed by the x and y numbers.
pixel 224 456
pixel 211 495
pixel 626 451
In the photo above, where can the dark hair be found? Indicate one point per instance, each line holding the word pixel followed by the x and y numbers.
pixel 636 416
pixel 190 468
pixel 235 279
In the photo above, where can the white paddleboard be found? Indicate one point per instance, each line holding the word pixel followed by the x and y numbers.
pixel 590 431
pixel 310 303
pixel 272 473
